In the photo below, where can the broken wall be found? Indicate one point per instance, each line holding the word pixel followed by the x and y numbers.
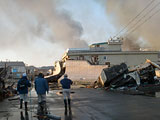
pixel 81 70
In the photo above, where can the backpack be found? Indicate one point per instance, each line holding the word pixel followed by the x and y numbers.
pixel 23 84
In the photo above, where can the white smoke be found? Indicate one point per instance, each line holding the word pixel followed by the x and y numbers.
pixel 27 22
pixel 122 11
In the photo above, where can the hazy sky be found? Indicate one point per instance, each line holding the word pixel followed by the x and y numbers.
pixel 39 31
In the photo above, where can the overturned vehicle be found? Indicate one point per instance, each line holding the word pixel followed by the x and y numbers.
pixel 139 80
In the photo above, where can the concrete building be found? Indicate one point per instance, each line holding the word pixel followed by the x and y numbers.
pixel 15 69
pixel 110 53
pixel 82 71
pixel 85 64
pixel 131 58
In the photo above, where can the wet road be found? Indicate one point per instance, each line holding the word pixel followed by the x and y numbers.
pixel 88 104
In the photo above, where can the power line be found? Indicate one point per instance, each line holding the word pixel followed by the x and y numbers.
pixel 133 26
pixel 134 18
pixel 144 21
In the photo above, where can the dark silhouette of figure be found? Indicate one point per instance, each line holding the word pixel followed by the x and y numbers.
pixel 26 117
pixel 69 116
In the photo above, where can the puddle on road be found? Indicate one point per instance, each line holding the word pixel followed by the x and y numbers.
pixel 60 93
pixel 19 115
pixel 3 112
pixel 31 115
pixel 5 115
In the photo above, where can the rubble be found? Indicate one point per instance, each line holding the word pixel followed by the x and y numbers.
pixel 5 91
pixel 114 76
pixel 2 83
pixel 141 79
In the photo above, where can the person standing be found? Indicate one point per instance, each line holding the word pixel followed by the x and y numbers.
pixel 66 85
pixel 22 88
pixel 41 87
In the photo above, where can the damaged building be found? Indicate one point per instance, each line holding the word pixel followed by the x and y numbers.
pixel 9 73
pixel 106 53
pixel 86 64
pixel 15 69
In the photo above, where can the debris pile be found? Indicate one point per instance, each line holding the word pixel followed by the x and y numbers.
pixel 139 80
pixel 2 83
pixel 5 91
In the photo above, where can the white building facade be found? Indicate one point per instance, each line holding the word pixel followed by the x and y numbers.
pixel 101 55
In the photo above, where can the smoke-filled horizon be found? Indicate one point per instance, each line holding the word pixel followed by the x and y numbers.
pixel 27 25
pixel 40 18
pixel 124 11
pixel 39 31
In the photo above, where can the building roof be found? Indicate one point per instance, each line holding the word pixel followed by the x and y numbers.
pixel 8 63
pixel 91 52
pixel 77 49
pixel 102 43
pixel 113 42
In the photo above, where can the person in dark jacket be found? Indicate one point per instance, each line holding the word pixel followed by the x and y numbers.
pixel 41 87
pixel 66 85
pixel 22 88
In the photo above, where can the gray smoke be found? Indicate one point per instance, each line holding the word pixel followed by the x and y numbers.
pixel 122 11
pixel 129 44
pixel 38 19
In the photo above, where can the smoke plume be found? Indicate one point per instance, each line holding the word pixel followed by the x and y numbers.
pixel 28 19
pixel 130 44
pixel 37 30
pixel 123 11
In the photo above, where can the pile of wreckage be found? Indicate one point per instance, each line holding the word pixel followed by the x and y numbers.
pixel 141 79
pixel 5 91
